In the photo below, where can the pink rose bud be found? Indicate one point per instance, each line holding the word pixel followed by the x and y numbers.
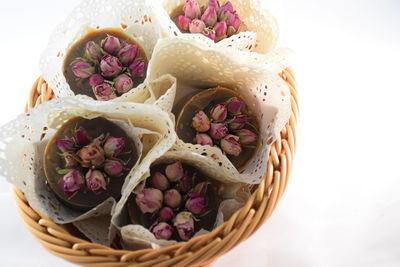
pixel 113 167
pixel 95 181
pixel 96 79
pixel 172 198
pixel 137 68
pixel 91 156
pixel 220 29
pixel 183 23
pixel 226 7
pixel 218 130
pixel 231 145
pixel 225 11
pixel 196 26
pixel 234 21
pixel 214 4
pixel 123 83
pixel 162 230
pixel 238 123
pixel 210 34
pixel 185 184
pixel 166 214
pixel 127 54
pixel 247 137
pixel 70 160
pixel 174 172
pixel 219 112
pixel 110 66
pixel 111 45
pixel 82 69
pixel 191 9
pixel 93 52
pixel 149 200
pixel 82 137
pixel 159 181
pixel 64 144
pixel 184 223
pixel 234 106
pixel 201 122
pixel 196 204
pixel 104 92
pixel 71 183
pixel 210 16
pixel 204 140
pixel 114 146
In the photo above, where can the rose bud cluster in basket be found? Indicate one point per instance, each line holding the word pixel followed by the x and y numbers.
pixel 214 21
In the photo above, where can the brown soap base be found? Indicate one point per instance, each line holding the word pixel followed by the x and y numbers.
pixel 82 86
pixel 86 200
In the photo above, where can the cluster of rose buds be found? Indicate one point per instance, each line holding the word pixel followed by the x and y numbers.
pixel 96 158
pixel 110 67
pixel 216 22
pixel 224 127
pixel 174 200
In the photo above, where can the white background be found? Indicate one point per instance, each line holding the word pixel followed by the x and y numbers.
pixel 342 205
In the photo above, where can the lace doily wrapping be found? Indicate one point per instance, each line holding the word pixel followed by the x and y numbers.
pixel 267 95
pixel 261 37
pixel 22 143
pixel 135 18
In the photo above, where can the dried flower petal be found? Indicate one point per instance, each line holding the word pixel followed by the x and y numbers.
pixel 91 156
pixel 82 69
pixel 218 130
pixel 246 136
pixel 231 145
pixel 204 140
pixel 183 23
pixel 172 198
pixel 174 172
pixel 113 167
pixel 123 83
pixel 197 26
pixel 191 9
pixel 110 66
pixel 149 200
pixel 114 146
pixel 159 181
pixel 162 230
pixel 111 45
pixel 201 122
pixel 196 203
pixel 95 181
pixel 71 183
pixel 96 79
pixel 104 92
pixel 166 214
pixel 184 223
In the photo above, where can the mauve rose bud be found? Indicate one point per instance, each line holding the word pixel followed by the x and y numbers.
pixel 123 83
pixel 96 79
pixel 219 112
pixel 201 122
pixel 196 203
pixel 196 26
pixel 64 144
pixel 234 21
pixel 204 140
pixel 210 16
pixel 166 214
pixel 185 184
pixel 91 156
pixel 70 160
pixel 191 9
pixel 127 54
pixel 82 137
pixel 93 51
pixel 137 68
pixel 220 29
pixel 172 198
pixel 162 230
pixel 110 66
pixel 214 4
pixel 174 172
pixel 113 167
pixel 210 34
pixel 184 223
pixel 226 7
pixel 111 45
pixel 159 181
pixel 149 200
pixel 247 137
pixel 95 181
pixel 82 69
pixel 104 92
pixel 234 106
pixel 71 183
pixel 183 23
pixel 231 145
pixel 238 123
pixel 218 130
pixel 114 146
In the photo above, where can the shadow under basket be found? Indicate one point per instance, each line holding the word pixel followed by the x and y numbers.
pixel 66 242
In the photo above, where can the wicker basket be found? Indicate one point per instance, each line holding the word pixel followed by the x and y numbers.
pixel 63 241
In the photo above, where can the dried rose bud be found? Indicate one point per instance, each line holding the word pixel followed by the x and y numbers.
pixel 220 30
pixel 95 181
pixel 65 144
pixel 209 33
pixel 123 83
pixel 201 188
pixel 71 183
pixel 204 140
pixel 191 9
pixel 183 23
pixel 231 31
pixel 184 223
pixel 218 130
pixel 99 140
pixel 149 200
pixel 91 155
pixel 96 79
pixel 82 69
pixel 82 137
pixel 210 16
pixel 226 7
pixel 247 137
pixel 185 184
pixel 172 198
pixel 234 105
pixel 197 26
pixel 238 123
pixel 127 54
pixel 114 146
pixel 196 203
pixel 174 172
pixel 231 145
pixel 162 230
pixel 219 112
pixel 137 68
pixel 159 181
pixel 110 66
pixel 70 160
pixel 166 214
pixel 104 92
pixel 234 21
pixel 214 4
pixel 93 52
pixel 201 122
pixel 111 45
pixel 113 167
